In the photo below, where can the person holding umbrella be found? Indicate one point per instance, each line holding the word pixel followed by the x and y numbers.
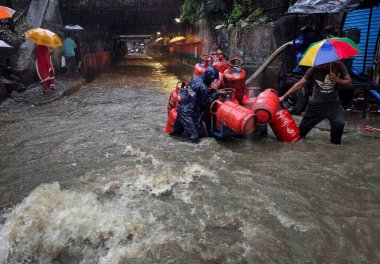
pixel 45 69
pixel 45 39
pixel 73 41
pixel 327 73
pixel 69 47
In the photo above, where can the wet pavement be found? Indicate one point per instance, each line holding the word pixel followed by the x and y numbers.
pixel 34 96
pixel 92 178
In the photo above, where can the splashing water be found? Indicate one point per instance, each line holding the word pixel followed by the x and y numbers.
pixel 92 178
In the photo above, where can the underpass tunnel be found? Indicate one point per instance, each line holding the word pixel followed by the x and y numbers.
pixel 118 26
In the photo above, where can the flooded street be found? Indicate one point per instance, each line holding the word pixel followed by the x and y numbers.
pixel 92 178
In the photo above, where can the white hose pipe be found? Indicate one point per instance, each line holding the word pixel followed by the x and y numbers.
pixel 268 61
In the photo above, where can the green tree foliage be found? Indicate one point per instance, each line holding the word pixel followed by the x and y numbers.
pixel 236 14
pixel 257 14
pixel 190 9
pixel 221 12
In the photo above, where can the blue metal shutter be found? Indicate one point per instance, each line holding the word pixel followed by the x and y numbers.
pixel 359 19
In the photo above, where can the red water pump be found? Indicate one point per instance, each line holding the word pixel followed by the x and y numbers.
pixel 201 67
pixel 220 62
pixel 284 127
pixel 234 77
pixel 234 116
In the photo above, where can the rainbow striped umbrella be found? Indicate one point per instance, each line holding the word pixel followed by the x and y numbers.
pixel 329 50
pixel 6 12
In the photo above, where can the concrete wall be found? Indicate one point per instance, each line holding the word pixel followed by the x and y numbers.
pixel 201 32
pixel 53 21
pixel 254 44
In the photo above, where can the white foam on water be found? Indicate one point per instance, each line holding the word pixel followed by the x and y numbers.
pixel 111 187
pixel 52 222
pixel 162 181
pixel 247 248
pixel 205 142
pixel 287 221
pixel 283 218
pixel 140 155
pixel 217 158
pixel 185 195
pixel 243 172
pixel 163 177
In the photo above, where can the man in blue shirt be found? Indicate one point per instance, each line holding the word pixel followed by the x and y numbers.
pixel 69 53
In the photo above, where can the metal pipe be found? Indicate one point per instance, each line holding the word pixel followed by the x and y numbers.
pixel 342 21
pixel 366 43
pixel 268 61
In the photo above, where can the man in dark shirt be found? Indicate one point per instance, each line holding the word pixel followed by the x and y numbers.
pixel 324 102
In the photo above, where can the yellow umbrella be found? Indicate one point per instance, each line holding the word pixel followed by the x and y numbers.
pixel 44 37
pixel 176 39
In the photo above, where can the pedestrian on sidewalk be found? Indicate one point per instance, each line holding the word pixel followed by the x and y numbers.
pixel 45 69
pixel 69 53
pixel 324 102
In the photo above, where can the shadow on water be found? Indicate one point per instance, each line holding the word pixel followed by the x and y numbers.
pixel 93 178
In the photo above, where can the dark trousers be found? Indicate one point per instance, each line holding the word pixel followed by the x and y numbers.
pixel 70 64
pixel 316 112
pixel 188 124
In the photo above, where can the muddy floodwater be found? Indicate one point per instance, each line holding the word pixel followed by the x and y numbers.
pixel 92 178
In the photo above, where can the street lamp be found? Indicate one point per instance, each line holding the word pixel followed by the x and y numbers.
pixel 178 20
pixel 158 33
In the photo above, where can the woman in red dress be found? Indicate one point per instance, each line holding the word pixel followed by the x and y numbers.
pixel 44 67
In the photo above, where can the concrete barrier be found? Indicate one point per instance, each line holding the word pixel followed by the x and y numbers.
pixel 95 63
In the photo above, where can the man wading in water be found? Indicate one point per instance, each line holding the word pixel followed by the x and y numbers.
pixel 193 100
pixel 325 102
